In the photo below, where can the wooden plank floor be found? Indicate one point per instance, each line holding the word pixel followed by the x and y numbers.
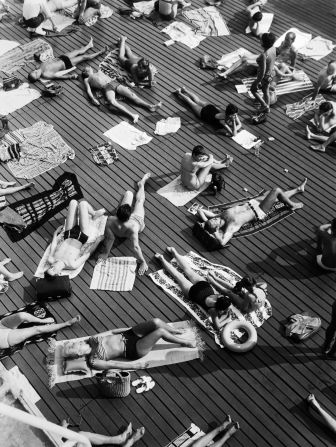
pixel 264 388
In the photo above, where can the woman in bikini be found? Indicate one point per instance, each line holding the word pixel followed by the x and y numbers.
pixel 139 67
pixel 111 351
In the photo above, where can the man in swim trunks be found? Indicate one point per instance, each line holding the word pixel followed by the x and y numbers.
pixel 225 224
pixel 325 123
pixel 326 246
pixel 50 69
pixel 100 81
pixel 128 224
pixel 67 254
pixel 326 80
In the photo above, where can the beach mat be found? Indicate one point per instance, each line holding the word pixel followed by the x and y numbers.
pixel 18 57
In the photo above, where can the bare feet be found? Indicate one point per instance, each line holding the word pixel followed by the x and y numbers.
pixel 29 185
pixel 183 89
pixel 90 44
pixel 301 188
pixel 297 206
pixel 318 148
pixel 99 213
pixel 122 39
pixel 188 344
pixel 178 92
pixel 154 107
pixel 14 276
pixel 136 437
pixel 172 251
pixel 308 133
pixel 312 402
pixel 226 422
pixel 47 320
pixel 74 320
pixel 235 427
pixel 127 433
pixel 5 261
pixel 104 50
pixel 144 179
pixel 135 118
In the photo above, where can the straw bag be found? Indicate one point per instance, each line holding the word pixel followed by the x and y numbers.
pixel 114 383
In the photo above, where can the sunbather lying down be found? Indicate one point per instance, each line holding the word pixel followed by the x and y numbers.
pixel 108 352
pixel 225 224
pixel 225 431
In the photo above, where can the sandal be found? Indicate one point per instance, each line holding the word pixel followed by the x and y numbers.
pixel 145 387
pixel 142 380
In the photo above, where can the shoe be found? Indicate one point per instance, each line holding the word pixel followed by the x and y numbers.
pixel 145 387
pixel 142 380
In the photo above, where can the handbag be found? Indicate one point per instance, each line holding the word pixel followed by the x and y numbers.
pixel 114 383
pixel 11 83
pixel 300 327
pixel 49 289
pixel 217 183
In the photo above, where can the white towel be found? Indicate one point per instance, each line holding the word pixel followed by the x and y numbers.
pixel 317 48
pixel 181 32
pixel 127 136
pixel 227 60
pixel 61 21
pixel 265 24
pixel 97 229
pixel 178 194
pixel 115 274
pixel 246 139
pixel 208 21
pixel 168 125
pixel 301 40
pixel 6 45
pixel 17 98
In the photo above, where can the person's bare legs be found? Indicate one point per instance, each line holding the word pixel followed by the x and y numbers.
pixel 17 336
pixel 80 51
pixel 9 276
pixel 257 95
pixel 129 94
pixel 299 189
pixel 241 64
pixel 311 136
pixel 13 321
pixel 71 219
pixel 322 147
pixel 135 437
pixel 111 99
pixel 322 415
pixel 205 440
pixel 192 100
pixel 125 52
pixel 183 282
pixel 97 439
pixel 278 194
pixel 140 196
pixel 87 57
pixel 147 327
pixel 14 189
pixel 231 431
pixel 85 210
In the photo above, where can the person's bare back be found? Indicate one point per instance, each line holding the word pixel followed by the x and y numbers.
pixel 122 229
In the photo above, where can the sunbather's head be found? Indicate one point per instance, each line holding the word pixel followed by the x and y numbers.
pixel 214 224
pixel 34 75
pixel 76 349
pixel 231 110
pixel 199 153
pixel 257 17
pixel 88 71
pixel 222 302
pixel 326 107
pixel 333 227
pixel 331 70
pixel 56 268
pixel 124 212
pixel 267 40
pixel 290 38
pixel 96 4
pixel 247 282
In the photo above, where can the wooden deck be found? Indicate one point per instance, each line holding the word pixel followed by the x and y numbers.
pixel 263 389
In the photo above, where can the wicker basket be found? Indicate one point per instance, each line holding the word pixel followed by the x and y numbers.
pixel 114 383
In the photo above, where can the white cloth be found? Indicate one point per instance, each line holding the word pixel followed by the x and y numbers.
pixel 301 40
pixel 115 274
pixel 178 194
pixel 317 48
pixel 60 20
pixel 246 139
pixel 208 21
pixel 227 60
pixel 127 136
pixel 6 45
pixel 180 32
pixel 145 7
pixel 32 8
pixel 265 23
pixel 168 125
pixel 17 98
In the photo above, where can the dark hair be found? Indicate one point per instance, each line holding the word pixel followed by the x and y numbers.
pixel 209 227
pixel 247 282
pixel 257 16
pixel 231 109
pixel 333 226
pixel 85 75
pixel 199 150
pixel 268 40
pixel 325 107
pixel 144 62
pixel 124 212
pixel 223 302
pixel 31 78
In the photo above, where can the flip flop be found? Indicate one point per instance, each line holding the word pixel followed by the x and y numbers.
pixel 142 380
pixel 145 387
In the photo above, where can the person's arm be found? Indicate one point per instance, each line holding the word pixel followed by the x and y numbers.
pixel 206 214
pixel 317 88
pixel 103 365
pixel 143 267
pixel 107 245
pixel 82 259
pixel 262 67
pixel 293 57
pixel 204 164
pixel 54 244
pixel 134 73
pixel 61 76
pixel 324 227
pixel 223 237
pixel 317 118
pixel 89 92
pixel 238 123
pixel 214 317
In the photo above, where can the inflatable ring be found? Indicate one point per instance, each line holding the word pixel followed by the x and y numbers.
pixel 229 343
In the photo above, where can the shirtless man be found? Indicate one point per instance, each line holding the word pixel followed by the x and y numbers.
pixel 326 246
pixel 128 224
pixel 255 16
pixel 225 224
pixel 325 123
pixel 100 81
pixel 326 80
pixel 67 254
pixel 51 68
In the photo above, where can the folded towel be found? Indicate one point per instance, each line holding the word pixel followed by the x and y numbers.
pixel 127 136
pixel 115 274
pixel 178 194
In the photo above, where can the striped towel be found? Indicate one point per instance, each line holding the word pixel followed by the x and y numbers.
pixel 188 437
pixel 306 104
pixel 115 274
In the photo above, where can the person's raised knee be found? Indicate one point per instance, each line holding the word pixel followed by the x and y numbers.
pixel 157 322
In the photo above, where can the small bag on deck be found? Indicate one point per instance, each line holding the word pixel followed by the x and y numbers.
pixel 53 288
pixel 300 327
pixel 114 383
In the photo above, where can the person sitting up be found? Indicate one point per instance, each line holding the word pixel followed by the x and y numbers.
pixel 286 51
pixel 87 9
pixel 328 141
pixel 111 351
pixel 196 166
pixel 50 69
pixel 226 430
pixel 320 414
pixel 100 81
pixel 67 254
pixel 255 16
pixel 139 67
pixel 326 80
pixel 127 224
pixel 125 439
pixel 168 9
pixel 11 334
pixel 326 246
pixel 225 224
pixel 224 122
pixel 325 123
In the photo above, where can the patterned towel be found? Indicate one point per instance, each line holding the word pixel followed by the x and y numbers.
pixel 208 21
pixel 306 104
pixel 165 353
pixel 181 32
pixel 38 310
pixel 115 274
pixel 17 58
pixel 42 149
pixel 104 154
pixel 178 194
pixel 202 266
pixel 36 210
pixel 187 438
pixel 17 98
pixel 285 86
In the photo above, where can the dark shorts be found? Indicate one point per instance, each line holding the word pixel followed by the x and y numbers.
pixel 34 22
pixel 113 85
pixel 76 233
pixel 332 130
pixel 66 60
pixel 199 292
pixel 130 340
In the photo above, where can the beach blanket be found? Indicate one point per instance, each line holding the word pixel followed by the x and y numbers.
pixel 97 228
pixel 301 40
pixel 187 438
pixel 317 48
pixel 38 310
pixel 17 98
pixel 42 149
pixel 202 266
pixel 18 57
pixel 168 125
pixel 163 353
pixel 246 139
pixel 265 24
pixel 178 194
pixel 227 60
pixel 286 86
pixel 38 209
pixel 306 104
pixel 207 21
pixel 181 32
pixel 127 136
pixel 6 45
pixel 115 274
